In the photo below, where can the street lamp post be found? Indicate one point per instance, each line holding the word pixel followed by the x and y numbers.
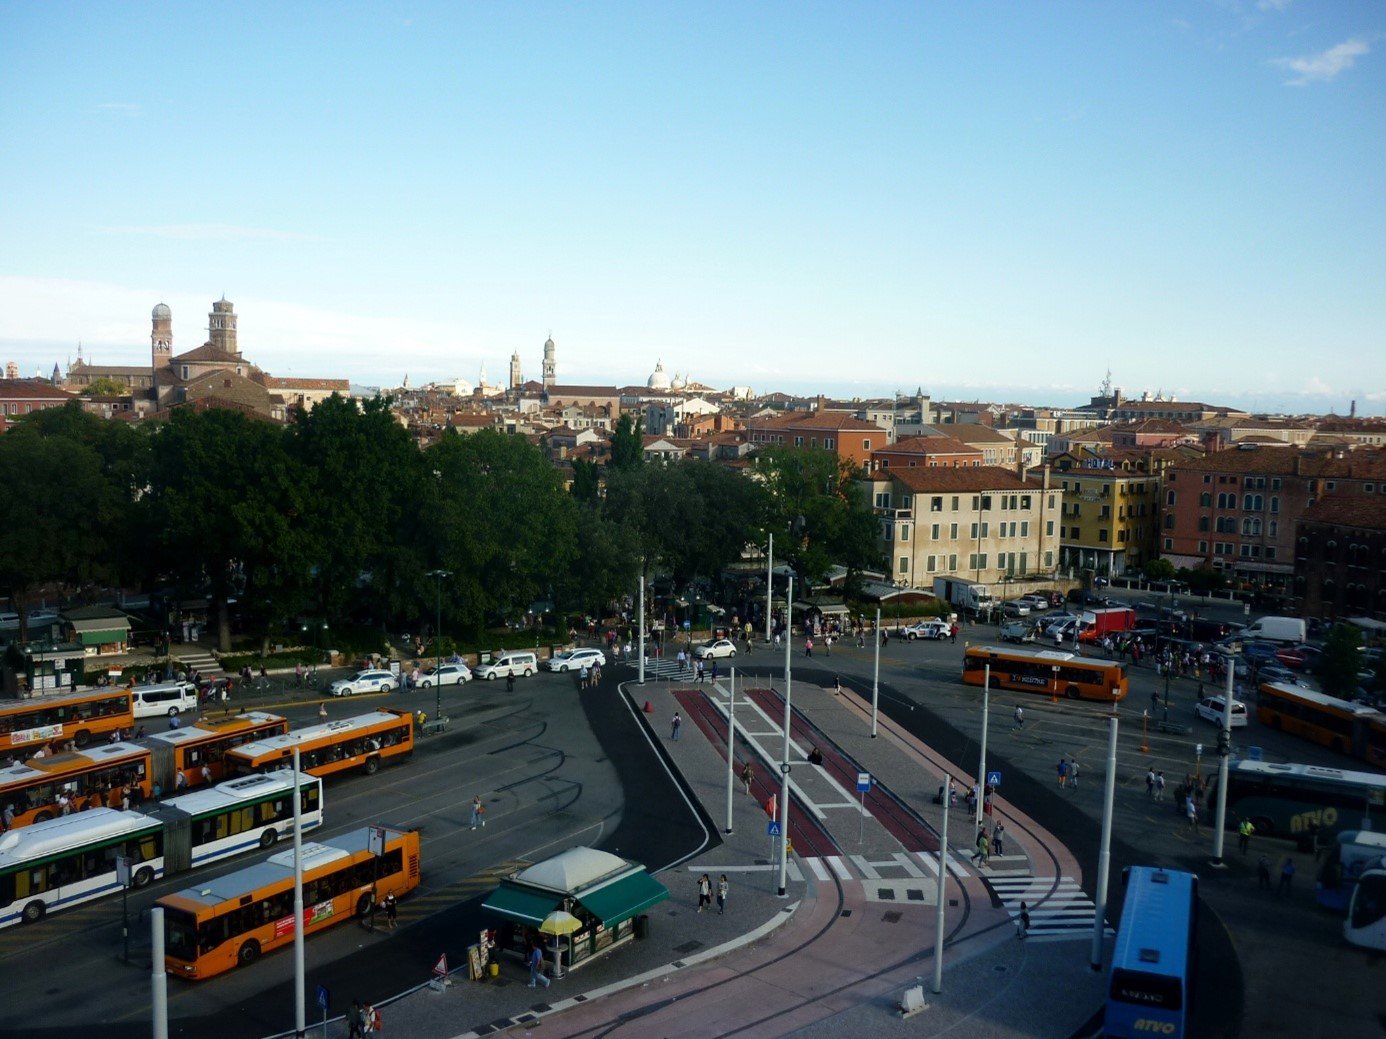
pixel 440 576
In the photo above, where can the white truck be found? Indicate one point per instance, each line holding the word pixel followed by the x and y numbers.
pixel 972 596
pixel 1275 629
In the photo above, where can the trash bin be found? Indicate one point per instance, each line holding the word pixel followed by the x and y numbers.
pixel 642 927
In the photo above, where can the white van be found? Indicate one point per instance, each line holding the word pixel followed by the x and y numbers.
pixel 168 698
pixel 521 663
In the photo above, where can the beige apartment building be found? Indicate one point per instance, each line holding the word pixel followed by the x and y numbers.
pixel 984 523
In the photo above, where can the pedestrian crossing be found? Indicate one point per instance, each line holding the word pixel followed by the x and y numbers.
pixel 198 659
pixel 1059 910
pixel 668 670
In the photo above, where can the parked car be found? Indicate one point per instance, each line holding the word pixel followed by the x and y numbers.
pixel 1051 620
pixel 1015 608
pixel 1211 708
pixel 577 659
pixel 447 674
pixel 1293 657
pixel 514 663
pixel 1017 631
pixel 371 680
pixel 933 628
pixel 1278 673
pixel 1078 597
pixel 1036 601
pixel 716 648
pixel 1259 652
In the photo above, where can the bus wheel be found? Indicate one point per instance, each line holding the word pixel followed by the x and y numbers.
pixel 372 765
pixel 268 838
pixel 33 912
pixel 248 953
pixel 143 876
pixel 82 738
pixel 1071 692
pixel 173 712
pixel 364 905
pixel 43 817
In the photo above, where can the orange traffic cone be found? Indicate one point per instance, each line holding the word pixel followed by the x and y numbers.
pixel 648 708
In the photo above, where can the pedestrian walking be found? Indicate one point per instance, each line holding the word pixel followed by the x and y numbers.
pixel 1287 877
pixel 354 1020
pixel 748 775
pixel 998 838
pixel 837 686
pixel 1160 785
pixel 535 959
pixel 1019 717
pixel 979 858
pixel 391 911
pixel 1062 769
pixel 722 895
pixel 478 812
pixel 1022 924
pixel 322 711
pixel 1244 832
pixel 373 1024
pixel 704 892
pixel 1263 874
pixel 1073 774
pixel 1191 812
pixel 675 725
pixel 808 647
pixel 1150 784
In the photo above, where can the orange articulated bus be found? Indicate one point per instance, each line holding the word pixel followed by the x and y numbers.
pixel 1348 728
pixel 65 717
pixel 362 742
pixel 233 920
pixel 91 778
pixel 185 751
pixel 1047 671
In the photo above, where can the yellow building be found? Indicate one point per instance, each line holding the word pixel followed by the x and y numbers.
pixel 1109 522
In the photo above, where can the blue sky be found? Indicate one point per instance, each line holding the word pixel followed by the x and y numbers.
pixel 985 200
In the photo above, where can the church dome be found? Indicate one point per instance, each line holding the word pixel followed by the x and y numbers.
pixel 659 380
pixel 679 382
pixel 161 311
pixel 549 344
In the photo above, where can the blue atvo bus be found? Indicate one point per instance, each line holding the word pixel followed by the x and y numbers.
pixel 1153 963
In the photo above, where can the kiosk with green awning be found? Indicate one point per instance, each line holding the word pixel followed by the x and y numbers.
pixel 607 893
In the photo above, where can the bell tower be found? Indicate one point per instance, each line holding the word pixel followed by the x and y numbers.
pixel 516 374
pixel 221 327
pixel 161 336
pixel 550 364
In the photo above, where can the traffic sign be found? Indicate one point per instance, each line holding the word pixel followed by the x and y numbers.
pixel 375 841
pixel 863 782
pixel 773 827
pixel 993 779
pixel 324 997
pixel 441 967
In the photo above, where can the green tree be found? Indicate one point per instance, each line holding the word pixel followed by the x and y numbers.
pixel 502 525
pixel 627 445
pixel 1341 661
pixel 366 481
pixel 224 508
pixel 60 515
pixel 105 387
pixel 816 499
pixel 1158 570
pixel 586 480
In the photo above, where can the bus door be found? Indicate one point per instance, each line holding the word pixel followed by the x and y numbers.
pixel 1366 921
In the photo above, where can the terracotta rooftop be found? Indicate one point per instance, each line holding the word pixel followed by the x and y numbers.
pixel 1365 511
pixel 33 389
pixel 815 420
pixel 944 481
pixel 1366 465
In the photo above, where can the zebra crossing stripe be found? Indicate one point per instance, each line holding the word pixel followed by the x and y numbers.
pixel 819 870
pixel 1059 910
pixel 839 867
pixel 865 868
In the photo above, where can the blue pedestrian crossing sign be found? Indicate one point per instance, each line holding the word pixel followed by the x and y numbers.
pixel 993 779
pixel 773 827
pixel 863 782
pixel 324 996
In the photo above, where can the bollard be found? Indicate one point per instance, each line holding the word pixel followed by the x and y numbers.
pixel 648 708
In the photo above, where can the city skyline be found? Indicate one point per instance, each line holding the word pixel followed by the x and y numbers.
pixel 1000 203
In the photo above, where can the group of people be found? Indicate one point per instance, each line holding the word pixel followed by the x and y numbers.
pixel 362 1020
pixel 705 892
pixel 989 845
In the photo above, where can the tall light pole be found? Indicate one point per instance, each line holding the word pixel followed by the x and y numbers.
pixel 731 749
pixel 982 759
pixel 784 765
pixel 440 575
pixel 1224 752
pixel 642 623
pixel 1104 853
pixel 876 673
pixel 942 884
pixel 769 588
pixel 300 970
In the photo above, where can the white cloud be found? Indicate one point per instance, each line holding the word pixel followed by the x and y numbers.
pixel 1325 65
pixel 207 232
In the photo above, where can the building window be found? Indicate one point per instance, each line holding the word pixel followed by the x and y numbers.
pixel 1102 535
pixel 1202 524
pixel 828 443
pixel 904 531
pixel 798 441
pixel 1270 551
pixel 932 563
pixel 1205 499
pixel 1169 522
pixel 1169 497
pixel 866 445
pixel 882 499
pixel 904 564
pixel 1049 528
pixel 933 534
pixel 1274 527
pixel 1025 528
pixel 1169 544
pixel 1275 503
pixel 936 503
pixel 1203 547
pixel 952 562
pixel 953 532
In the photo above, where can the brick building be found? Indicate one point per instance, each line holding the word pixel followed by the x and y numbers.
pixel 927 451
pixel 1236 511
pixel 1340 557
pixel 849 438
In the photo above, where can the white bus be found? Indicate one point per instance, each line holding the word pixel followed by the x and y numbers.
pixel 72 859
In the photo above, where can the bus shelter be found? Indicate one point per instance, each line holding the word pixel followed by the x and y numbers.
pixel 606 893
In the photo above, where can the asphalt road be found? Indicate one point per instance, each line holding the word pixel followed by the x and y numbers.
pixel 551 765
